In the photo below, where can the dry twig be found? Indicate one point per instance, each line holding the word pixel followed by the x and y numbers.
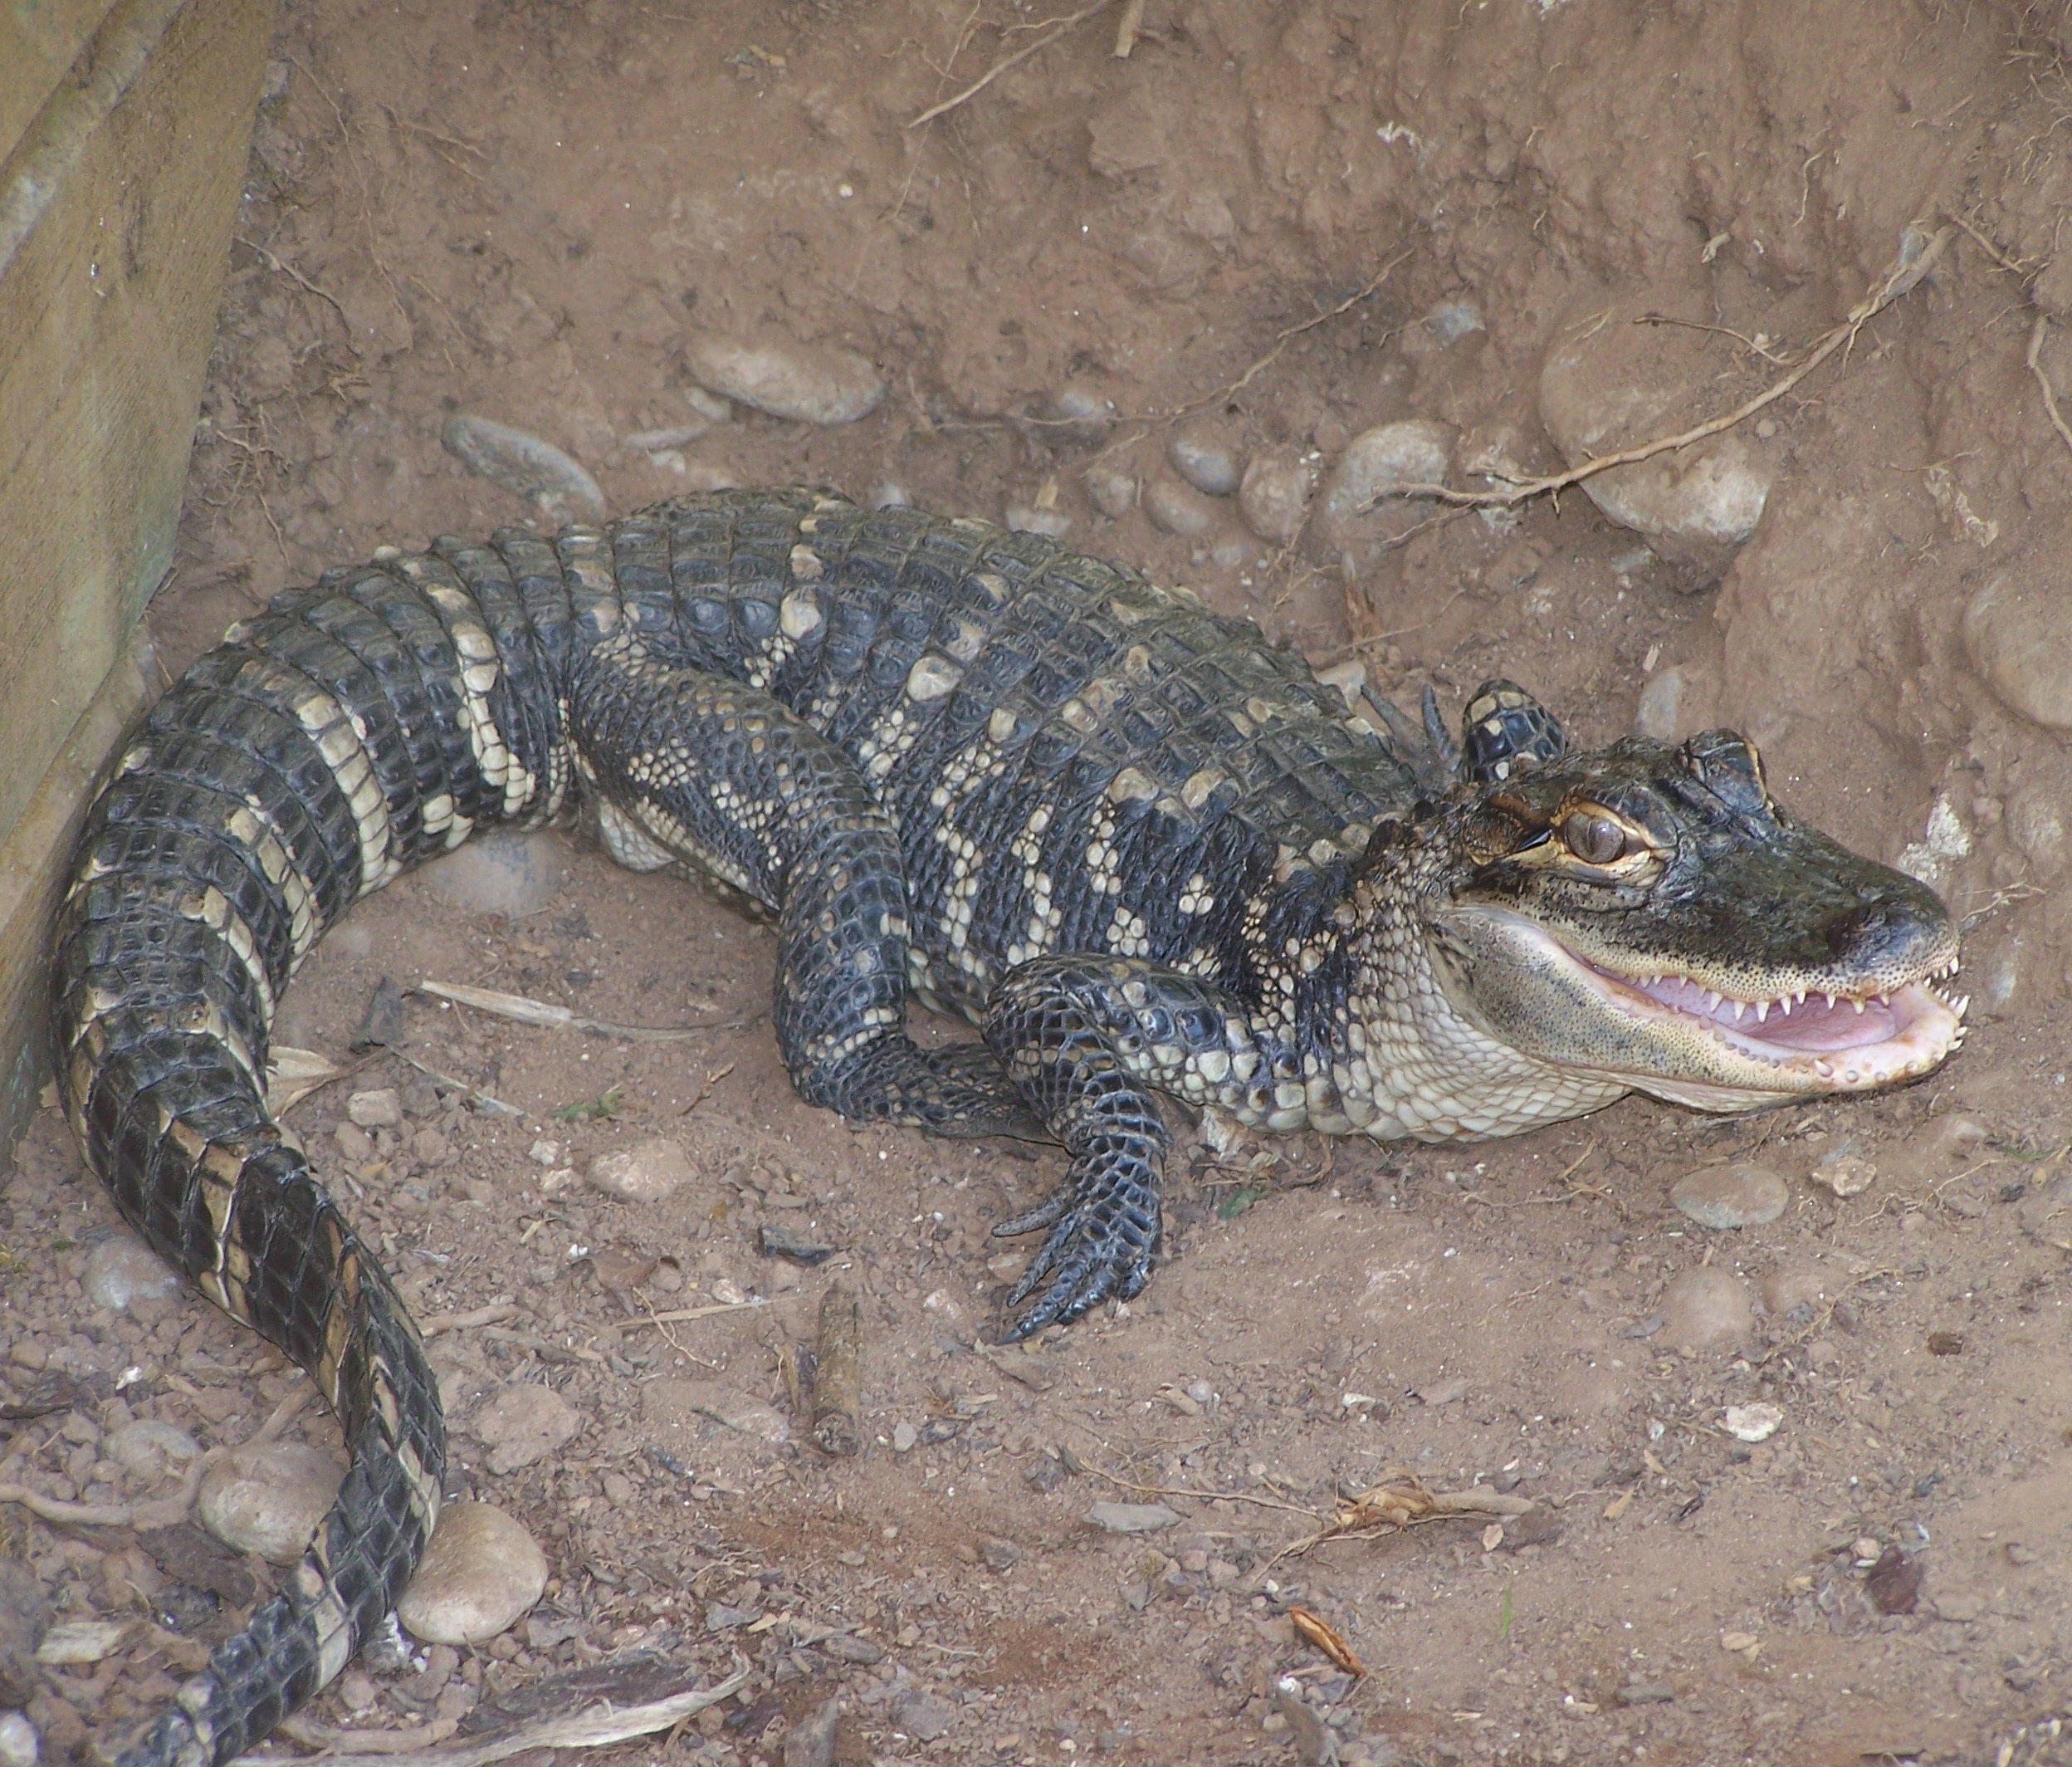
pixel 1902 279
pixel 1401 1501
pixel 1056 30
pixel 526 1010
pixel 594 1728
pixel 2037 333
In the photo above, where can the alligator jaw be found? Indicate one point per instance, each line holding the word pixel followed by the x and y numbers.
pixel 1842 1042
pixel 1676 1039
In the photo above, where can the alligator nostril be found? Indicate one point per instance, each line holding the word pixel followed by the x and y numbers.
pixel 1896 927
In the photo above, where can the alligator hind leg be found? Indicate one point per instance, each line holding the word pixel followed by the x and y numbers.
pixel 1089 1040
pixel 710 771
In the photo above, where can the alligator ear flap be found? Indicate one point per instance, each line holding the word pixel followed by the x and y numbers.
pixel 1505 732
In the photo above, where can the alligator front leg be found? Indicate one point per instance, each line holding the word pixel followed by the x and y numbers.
pixel 1089 1040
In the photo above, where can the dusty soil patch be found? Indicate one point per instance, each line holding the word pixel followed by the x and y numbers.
pixel 526 212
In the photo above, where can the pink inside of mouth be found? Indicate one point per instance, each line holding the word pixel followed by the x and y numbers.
pixel 1811 1024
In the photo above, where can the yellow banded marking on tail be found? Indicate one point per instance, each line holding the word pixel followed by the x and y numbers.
pixel 324 1610
pixel 253 828
pixel 481 665
pixel 340 736
pixel 213 909
pixel 218 1170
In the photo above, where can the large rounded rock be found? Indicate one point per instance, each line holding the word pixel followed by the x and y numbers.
pixel 2018 634
pixel 1608 383
pixel 503 872
pixel 808 382
pixel 1376 467
pixel 268 1500
pixel 121 1270
pixel 1275 495
pixel 480 1572
pixel 1740 1194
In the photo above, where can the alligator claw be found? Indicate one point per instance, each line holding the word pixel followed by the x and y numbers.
pixel 1100 1246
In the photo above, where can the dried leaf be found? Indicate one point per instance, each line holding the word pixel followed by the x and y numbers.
pixel 292 1075
pixel 1326 1637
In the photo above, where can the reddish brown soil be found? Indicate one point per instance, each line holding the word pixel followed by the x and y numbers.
pixel 519 211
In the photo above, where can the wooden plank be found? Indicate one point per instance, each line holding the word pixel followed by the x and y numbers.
pixel 115 212
pixel 32 874
pixel 116 206
pixel 39 42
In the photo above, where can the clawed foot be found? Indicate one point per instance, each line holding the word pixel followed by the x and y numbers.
pixel 1102 1238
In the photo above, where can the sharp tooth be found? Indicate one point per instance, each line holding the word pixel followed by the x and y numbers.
pixel 1831 1002
pixel 1763 1011
pixel 1740 1007
pixel 1711 1000
pixel 1800 997
pixel 1962 1002
pixel 1857 1004
pixel 1826 1069
pixel 1784 1005
pixel 1885 999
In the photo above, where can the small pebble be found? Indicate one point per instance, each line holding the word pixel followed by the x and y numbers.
pixel 1706 1307
pixel 1132 1518
pixel 904 1437
pixel 1031 518
pixel 1845 1171
pixel 1740 1195
pixel 649 1172
pixel 1000 1555
pixel 354 1142
pixel 810 1742
pixel 1273 496
pixel 381 1108
pixel 18 1741
pixel 1451 321
pixel 1111 489
pixel 1756 1422
pixel 150 1451
pixel 1674 704
pixel 1646 1693
pixel 524 1424
pixel 891 496
pixel 780 1242
pixel 1175 508
pixel 121 1270
pixel 818 384
pixel 1415 452
pixel 1206 459
pixel 503 872
pixel 923 1716
pixel 268 1500
pixel 1077 413
pixel 480 1572
pixel 525 466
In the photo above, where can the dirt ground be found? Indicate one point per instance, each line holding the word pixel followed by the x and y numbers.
pixel 1275 226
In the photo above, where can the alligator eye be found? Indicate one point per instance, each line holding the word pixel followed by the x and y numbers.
pixel 1597 841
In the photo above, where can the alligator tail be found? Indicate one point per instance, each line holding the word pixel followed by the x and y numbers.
pixel 356 727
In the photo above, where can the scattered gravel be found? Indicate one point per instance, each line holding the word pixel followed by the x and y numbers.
pixel 682 1412
pixel 269 1499
pixel 524 1424
pixel 19 1743
pixel 922 1715
pixel 525 466
pixel 480 1572
pixel 1740 1194
pixel 120 1271
pixel 817 384
pixel 649 1172
pixel 501 871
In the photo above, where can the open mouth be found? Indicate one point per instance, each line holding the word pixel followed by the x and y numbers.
pixel 1849 1041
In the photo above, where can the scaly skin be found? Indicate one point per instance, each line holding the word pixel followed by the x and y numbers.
pixel 1143 850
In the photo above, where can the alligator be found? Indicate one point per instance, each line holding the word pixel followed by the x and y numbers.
pixel 1146 851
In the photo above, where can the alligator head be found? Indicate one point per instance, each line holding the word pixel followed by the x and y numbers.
pixel 1647 917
